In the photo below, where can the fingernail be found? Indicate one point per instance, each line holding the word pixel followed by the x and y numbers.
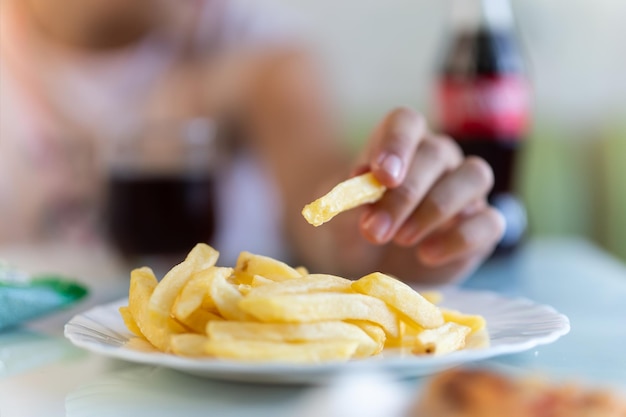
pixel 408 234
pixel 392 165
pixel 378 226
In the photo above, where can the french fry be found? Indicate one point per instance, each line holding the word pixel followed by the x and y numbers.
pixel 227 296
pixel 195 294
pixel 244 288
pixel 140 344
pixel 308 284
pixel 262 351
pixel 478 340
pixel 445 339
pixel 307 308
pixel 409 330
pixel 374 331
pixel 302 270
pixel 248 265
pixel 409 303
pixel 201 257
pixel 157 329
pixel 294 332
pixel 189 344
pixel 198 320
pixel 474 322
pixel 129 321
pixel 356 191
pixel 258 281
pixel 433 297
pixel 407 337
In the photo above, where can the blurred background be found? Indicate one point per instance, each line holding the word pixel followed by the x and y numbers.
pixel 377 55
pixel 571 177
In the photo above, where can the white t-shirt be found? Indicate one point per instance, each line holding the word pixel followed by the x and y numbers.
pixel 59 109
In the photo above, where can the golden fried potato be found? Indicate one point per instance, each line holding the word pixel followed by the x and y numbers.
pixel 157 329
pixel 195 294
pixel 442 340
pixel 227 295
pixel 302 270
pixel 433 297
pixel 258 281
pixel 202 256
pixel 189 344
pixel 411 306
pixel 374 331
pixel 263 310
pixel 354 192
pixel 307 308
pixel 248 265
pixel 294 332
pixel 263 351
pixel 198 320
pixel 244 289
pixel 407 336
pixel 305 285
pixel 129 321
pixel 474 322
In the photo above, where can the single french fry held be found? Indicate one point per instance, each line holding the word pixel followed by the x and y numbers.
pixel 346 195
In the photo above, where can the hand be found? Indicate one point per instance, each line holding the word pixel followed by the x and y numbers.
pixel 436 200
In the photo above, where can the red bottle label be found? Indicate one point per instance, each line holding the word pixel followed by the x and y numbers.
pixel 493 108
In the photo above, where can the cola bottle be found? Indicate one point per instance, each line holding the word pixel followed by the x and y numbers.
pixel 482 100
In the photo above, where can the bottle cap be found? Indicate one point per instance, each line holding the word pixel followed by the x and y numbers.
pixel 472 14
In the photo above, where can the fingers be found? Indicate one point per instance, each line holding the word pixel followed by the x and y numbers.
pixel 436 200
pixel 472 237
pixel 434 157
pixel 394 145
pixel 453 193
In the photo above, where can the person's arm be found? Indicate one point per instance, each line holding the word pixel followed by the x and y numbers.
pixel 432 225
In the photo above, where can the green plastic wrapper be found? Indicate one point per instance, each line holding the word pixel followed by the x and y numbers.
pixel 23 297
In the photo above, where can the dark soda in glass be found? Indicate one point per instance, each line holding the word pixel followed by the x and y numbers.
pixel 159 214
pixel 160 198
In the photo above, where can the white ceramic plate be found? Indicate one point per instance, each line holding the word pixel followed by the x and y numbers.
pixel 514 325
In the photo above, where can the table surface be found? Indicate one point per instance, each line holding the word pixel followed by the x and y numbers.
pixel 42 374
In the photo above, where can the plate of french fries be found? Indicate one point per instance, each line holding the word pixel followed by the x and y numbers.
pixel 263 320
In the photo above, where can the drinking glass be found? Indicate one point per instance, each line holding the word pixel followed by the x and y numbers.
pixel 160 183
